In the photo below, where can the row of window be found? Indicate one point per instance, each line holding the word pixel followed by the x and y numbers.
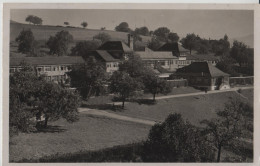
pixel 52 68
pixel 112 65
pixel 170 62
pixel 12 70
pixel 58 78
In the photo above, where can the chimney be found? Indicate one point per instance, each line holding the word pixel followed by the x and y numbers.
pixel 130 41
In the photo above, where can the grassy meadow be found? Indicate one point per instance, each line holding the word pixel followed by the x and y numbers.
pixel 87 139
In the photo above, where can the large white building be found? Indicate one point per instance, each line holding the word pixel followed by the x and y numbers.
pixel 52 68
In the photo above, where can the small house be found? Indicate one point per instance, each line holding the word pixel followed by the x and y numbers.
pixel 204 75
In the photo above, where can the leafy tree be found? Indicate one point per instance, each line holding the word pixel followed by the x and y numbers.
pixel 22 88
pixel 103 37
pixel 84 24
pixel 203 46
pixel 34 19
pixel 173 37
pixel 155 85
pixel 229 125
pixel 31 96
pixel 26 41
pixel 66 23
pixel 176 140
pixel 162 33
pixel 240 52
pixel 142 31
pixel 123 85
pixel 221 47
pixel 57 102
pixel 190 42
pixel 123 27
pixel 226 64
pixel 154 44
pixel 89 79
pixel 83 48
pixel 134 66
pixel 59 43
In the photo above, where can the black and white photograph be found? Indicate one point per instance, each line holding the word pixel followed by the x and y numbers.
pixel 130 85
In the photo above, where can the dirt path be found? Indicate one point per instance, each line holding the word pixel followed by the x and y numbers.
pixel 200 93
pixel 192 94
pixel 114 116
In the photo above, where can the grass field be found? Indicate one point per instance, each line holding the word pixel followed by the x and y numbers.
pixel 43 32
pixel 89 133
pixel 192 108
pixel 95 133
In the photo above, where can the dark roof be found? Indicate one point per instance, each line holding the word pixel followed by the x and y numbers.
pixel 47 60
pixel 208 57
pixel 169 47
pixel 149 54
pixel 115 46
pixel 106 56
pixel 201 67
pixel 175 48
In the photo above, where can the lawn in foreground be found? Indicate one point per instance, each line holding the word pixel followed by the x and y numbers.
pixel 89 133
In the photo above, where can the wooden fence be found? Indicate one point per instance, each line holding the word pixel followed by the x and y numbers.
pixel 241 80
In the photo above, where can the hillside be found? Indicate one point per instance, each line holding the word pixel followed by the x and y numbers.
pixel 43 32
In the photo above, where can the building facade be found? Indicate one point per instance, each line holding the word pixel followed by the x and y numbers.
pixel 52 68
pixel 204 75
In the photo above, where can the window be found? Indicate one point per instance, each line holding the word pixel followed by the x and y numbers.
pixel 61 68
pixel 47 68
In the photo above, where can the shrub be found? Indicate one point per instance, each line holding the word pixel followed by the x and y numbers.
pixel 176 140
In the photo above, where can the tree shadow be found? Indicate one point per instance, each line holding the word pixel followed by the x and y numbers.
pixel 145 101
pixel 49 129
pixel 111 107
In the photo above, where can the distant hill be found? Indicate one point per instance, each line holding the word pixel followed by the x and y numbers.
pixel 43 32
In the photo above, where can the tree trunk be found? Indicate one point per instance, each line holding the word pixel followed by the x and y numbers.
pixel 219 152
pixel 46 121
pixel 154 97
pixel 123 105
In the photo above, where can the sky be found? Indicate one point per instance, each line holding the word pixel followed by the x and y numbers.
pixel 212 24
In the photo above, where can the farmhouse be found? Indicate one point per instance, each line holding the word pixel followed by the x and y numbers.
pixel 170 56
pixel 204 75
pixel 52 68
pixel 112 53
pixel 109 62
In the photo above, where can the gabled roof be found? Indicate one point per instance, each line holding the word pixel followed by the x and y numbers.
pixel 106 56
pixel 201 67
pixel 173 47
pixel 149 54
pixel 115 46
pixel 169 47
pixel 47 60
